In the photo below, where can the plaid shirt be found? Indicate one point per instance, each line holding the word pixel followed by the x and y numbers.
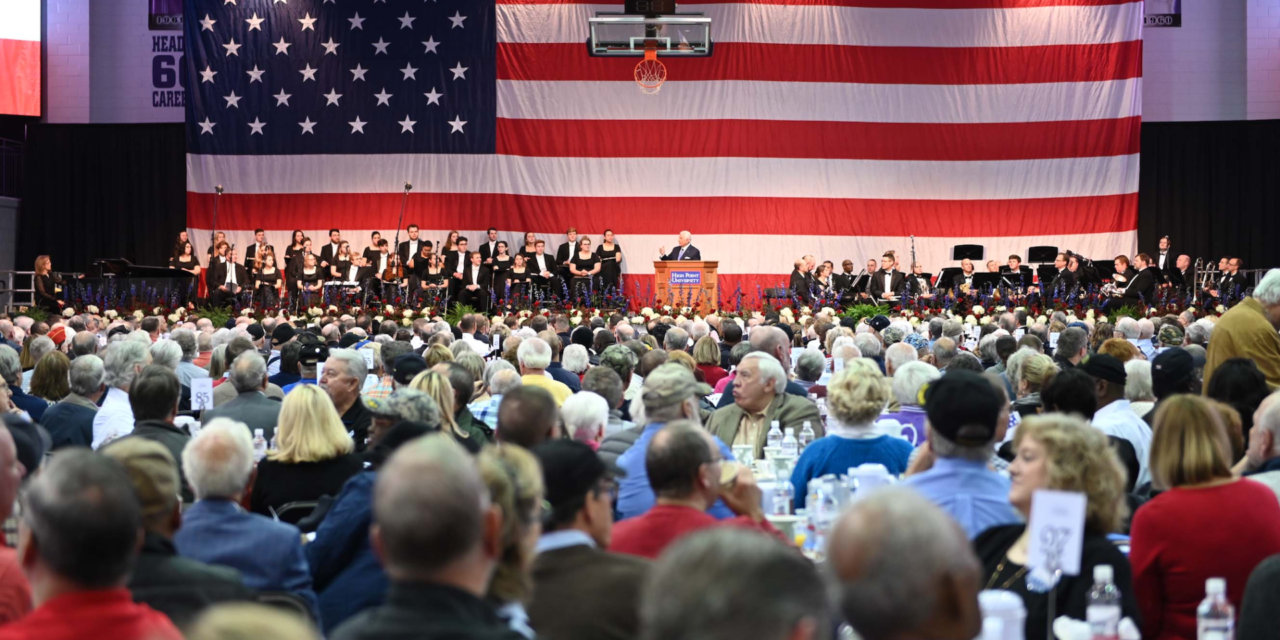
pixel 486 411
pixel 380 390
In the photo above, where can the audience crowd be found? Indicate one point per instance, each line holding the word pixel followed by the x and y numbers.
pixel 519 477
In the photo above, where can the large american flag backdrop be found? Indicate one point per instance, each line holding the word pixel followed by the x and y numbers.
pixel 836 128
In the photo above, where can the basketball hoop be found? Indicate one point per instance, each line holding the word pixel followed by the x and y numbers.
pixel 650 74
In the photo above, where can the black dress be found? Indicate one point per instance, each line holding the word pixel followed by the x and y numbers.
pixel 308 297
pixel 268 293
pixel 501 268
pixel 45 297
pixel 177 262
pixel 519 281
pixel 343 268
pixel 433 286
pixel 610 267
pixel 582 284
pixel 283 483
pixel 992 547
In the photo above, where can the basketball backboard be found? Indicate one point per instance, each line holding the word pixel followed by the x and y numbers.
pixel 618 34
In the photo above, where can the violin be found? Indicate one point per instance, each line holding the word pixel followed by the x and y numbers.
pixel 394 270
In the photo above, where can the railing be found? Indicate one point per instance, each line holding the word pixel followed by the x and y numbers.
pixel 10 168
pixel 11 296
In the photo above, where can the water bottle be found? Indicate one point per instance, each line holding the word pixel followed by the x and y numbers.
pixel 824 516
pixel 1102 605
pixel 1215 615
pixel 774 439
pixel 790 446
pixel 822 410
pixel 807 435
pixel 783 495
pixel 259 445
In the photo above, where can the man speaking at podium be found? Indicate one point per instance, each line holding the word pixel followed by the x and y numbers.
pixel 685 251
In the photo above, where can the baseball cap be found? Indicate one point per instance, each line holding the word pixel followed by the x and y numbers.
pixel 282 334
pixel 407 367
pixel 1171 335
pixel 570 469
pixel 1172 367
pixel 256 331
pixel 1105 367
pixel 669 384
pixel 348 339
pixel 879 323
pixel 963 407
pixel 405 404
pixel 152 471
pixel 312 353
pixel 118 330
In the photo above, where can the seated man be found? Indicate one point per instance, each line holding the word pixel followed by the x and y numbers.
pixel 759 398
pixel 963 409
pixel 476 282
pixel 887 283
pixel 218 464
pixel 683 463
pixel 178 587
pixel 78 542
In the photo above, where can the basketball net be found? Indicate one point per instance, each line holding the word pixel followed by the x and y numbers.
pixel 650 74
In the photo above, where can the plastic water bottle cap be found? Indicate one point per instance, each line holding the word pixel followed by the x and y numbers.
pixel 257 433
pixel 1215 586
pixel 1103 573
pixel 1214 635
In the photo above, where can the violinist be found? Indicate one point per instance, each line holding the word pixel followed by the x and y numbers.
pixel 387 267
pixel 432 281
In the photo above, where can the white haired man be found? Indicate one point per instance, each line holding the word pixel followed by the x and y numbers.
pixel 534 356
pixel 759 398
pixel 122 362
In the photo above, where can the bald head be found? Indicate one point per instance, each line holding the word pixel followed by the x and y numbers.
pixel 905 569
pixel 429 509
pixel 772 341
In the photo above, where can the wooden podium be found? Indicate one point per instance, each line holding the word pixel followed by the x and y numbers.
pixel 687 283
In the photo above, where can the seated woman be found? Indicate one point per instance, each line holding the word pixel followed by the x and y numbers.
pixel 855 398
pixel 1034 373
pixel 514 479
pixel 906 384
pixel 707 354
pixel 1206 524
pixel 313 455
pixel 1062 453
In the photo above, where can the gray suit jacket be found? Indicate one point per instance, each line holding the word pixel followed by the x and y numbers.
pixel 226 392
pixel 252 408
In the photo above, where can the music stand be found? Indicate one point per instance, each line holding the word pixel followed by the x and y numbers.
pixel 1046 273
pixel 860 284
pixel 1042 254
pixel 986 280
pixel 969 251
pixel 946 278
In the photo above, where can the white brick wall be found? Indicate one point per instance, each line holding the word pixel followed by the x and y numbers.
pixel 1197 71
pixel 67 61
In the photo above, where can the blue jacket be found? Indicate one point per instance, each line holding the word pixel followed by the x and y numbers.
pixel 565 376
pixel 33 405
pixel 346 573
pixel 268 554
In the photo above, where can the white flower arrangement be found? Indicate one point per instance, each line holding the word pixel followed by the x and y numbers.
pixel 408 313
pixel 805 319
pixel 786 312
pixel 978 310
pixel 646 311
pixel 333 308
pixel 247 312
pixel 157 311
pixel 173 317
pixel 914 321
pixel 93 309
pixel 829 311
pixel 68 312
pixel 316 312
pixel 1191 309
pixel 1220 309
pixel 970 320
pixel 684 311
pixel 575 320
pixel 1043 320
pixel 985 320
pixel 1089 314
pixel 379 319
pixel 1102 319
pixel 111 314
pixel 1001 309
pixel 390 309
pixel 138 314
pixel 408 322
pixel 637 320
pixel 666 307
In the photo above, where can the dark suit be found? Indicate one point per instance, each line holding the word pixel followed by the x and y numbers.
pixel 842 282
pixel 327 252
pixel 564 254
pixel 487 252
pixel 1228 284
pixel 1142 285
pixel 918 285
pixel 249 253
pixel 799 284
pixel 897 282
pixel 603 586
pixel 1180 279
pixel 453 263
pixel 218 277
pixel 1020 279
pixel 959 280
pixel 535 270
pixel 1064 284
pixel 482 277
pixel 690 253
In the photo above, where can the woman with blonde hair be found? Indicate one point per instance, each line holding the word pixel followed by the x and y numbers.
pixel 438 387
pixel 437 354
pixel 313 455
pixel 855 398
pixel 1061 453
pixel 1206 523
pixel 706 355
pixel 1120 349
pixel 45 285
pixel 52 378
pixel 514 478
pixel 1034 372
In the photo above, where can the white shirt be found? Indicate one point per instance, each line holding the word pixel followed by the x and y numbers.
pixel 334 248
pixel 475 274
pixel 888 282
pixel 1118 419
pixel 477 346
pixel 541 260
pixel 231 272
pixel 493 248
pixel 115 418
pixel 1162 258
pixel 351 273
pixel 382 262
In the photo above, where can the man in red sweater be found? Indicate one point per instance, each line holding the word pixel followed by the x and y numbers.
pixel 684 467
pixel 77 542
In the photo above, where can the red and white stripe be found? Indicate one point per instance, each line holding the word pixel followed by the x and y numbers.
pixel 836 128
pixel 20 57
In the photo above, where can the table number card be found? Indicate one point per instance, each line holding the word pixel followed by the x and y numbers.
pixel 1057 532
pixel 202 394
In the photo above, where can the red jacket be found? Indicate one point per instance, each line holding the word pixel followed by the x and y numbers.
pixel 101 615
pixel 648 535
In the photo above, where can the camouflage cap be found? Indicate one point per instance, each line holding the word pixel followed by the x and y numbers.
pixel 670 384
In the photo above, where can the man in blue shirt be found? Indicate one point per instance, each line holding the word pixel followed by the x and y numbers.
pixel 962 411
pixel 670 393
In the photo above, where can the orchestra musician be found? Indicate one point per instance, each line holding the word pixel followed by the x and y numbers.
pixel 1124 272
pixel 1065 282
pixel 530 244
pixel 489 248
pixel 962 283
pixel 544 278
pixel 45 284
pixel 1163 259
pixel 822 280
pixel 887 283
pixel 1183 276
pixel 475 282
pixel 294 265
pixel 411 254
pixel 918 284
pixel 227 277
pixel 519 278
pixel 583 267
pixel 500 263
pixel 217 237
pixel 295 247
pixel 432 279
pixel 799 282
pixel 269 282
pixel 256 249
pixel 1016 274
pixel 450 243
pixel 610 253
pixel 454 263
pixel 310 281
pixel 341 261
pixel 329 251
pixel 843 282
pixel 1230 281
pixel 371 252
pixel 1140 285
pixel 861 290
pixel 564 255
